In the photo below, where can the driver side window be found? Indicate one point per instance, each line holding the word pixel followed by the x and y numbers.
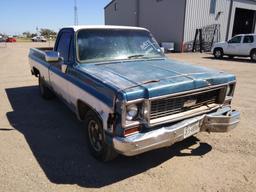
pixel 236 39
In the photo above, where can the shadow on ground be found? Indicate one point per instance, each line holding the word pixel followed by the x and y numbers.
pixel 57 141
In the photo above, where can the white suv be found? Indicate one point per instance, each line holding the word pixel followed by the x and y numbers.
pixel 243 45
pixel 39 39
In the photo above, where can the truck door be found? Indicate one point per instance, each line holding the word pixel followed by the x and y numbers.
pixel 233 46
pixel 247 45
pixel 58 77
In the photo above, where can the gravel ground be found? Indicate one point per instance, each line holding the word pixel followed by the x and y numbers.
pixel 43 148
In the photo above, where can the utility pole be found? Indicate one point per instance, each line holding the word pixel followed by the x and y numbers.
pixel 75 13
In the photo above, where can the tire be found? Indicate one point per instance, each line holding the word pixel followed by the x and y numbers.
pixel 45 92
pixel 253 55
pixel 218 53
pixel 96 138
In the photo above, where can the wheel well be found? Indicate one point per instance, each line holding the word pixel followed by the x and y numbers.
pixel 216 48
pixel 36 72
pixel 252 50
pixel 83 108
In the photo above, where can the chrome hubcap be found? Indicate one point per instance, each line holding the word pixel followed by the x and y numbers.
pixel 217 53
pixel 95 135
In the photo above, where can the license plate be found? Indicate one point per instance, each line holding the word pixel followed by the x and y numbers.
pixel 191 130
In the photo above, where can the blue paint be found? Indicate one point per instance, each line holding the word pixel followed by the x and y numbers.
pixel 128 77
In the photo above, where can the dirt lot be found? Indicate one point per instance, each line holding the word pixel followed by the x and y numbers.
pixel 43 148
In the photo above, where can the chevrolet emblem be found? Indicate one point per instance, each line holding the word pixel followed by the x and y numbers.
pixel 189 103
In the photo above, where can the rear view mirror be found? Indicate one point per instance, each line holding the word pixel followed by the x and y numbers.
pixel 52 56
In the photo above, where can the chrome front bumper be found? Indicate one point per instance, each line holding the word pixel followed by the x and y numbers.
pixel 224 120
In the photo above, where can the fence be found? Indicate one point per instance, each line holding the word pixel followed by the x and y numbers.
pixel 204 39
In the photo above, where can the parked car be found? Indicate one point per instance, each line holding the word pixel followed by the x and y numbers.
pixel 10 40
pixel 39 39
pixel 2 39
pixel 240 45
pixel 131 98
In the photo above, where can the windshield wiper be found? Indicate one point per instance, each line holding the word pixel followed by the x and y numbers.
pixel 136 56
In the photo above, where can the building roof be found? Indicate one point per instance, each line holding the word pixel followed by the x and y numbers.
pixel 78 27
pixel 112 1
pixel 109 4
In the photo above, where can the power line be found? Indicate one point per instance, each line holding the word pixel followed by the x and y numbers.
pixel 75 13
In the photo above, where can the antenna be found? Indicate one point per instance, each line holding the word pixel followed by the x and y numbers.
pixel 75 13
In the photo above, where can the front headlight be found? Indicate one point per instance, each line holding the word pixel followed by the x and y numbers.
pixel 132 112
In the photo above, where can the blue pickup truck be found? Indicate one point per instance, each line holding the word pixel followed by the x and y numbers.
pixel 131 98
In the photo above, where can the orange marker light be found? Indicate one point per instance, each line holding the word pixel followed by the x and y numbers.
pixel 131 131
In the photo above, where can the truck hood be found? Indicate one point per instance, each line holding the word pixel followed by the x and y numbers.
pixel 152 78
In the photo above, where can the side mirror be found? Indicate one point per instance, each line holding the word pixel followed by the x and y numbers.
pixel 52 56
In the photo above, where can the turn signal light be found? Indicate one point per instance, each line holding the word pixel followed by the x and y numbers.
pixel 131 131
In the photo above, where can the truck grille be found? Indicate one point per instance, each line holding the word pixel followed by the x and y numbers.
pixel 169 106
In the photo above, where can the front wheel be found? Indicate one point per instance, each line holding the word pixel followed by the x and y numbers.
pixel 253 55
pixel 218 53
pixel 96 138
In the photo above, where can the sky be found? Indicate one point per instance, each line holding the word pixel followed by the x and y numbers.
pixel 18 16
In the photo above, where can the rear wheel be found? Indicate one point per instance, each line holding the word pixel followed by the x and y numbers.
pixel 218 53
pixel 96 138
pixel 253 55
pixel 45 92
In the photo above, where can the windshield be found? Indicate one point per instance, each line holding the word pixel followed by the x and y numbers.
pixel 99 45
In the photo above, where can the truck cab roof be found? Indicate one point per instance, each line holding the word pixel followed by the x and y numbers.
pixel 79 27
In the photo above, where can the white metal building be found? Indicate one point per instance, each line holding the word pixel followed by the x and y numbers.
pixel 177 20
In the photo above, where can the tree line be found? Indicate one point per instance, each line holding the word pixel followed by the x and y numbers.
pixel 47 33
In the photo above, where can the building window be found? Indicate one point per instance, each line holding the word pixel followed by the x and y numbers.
pixel 115 6
pixel 213 6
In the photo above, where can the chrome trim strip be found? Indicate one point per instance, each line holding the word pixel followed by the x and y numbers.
pixel 184 115
pixel 188 94
pixel 135 101
pixel 196 91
